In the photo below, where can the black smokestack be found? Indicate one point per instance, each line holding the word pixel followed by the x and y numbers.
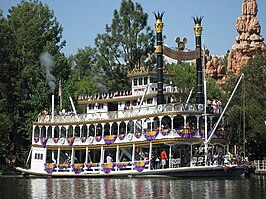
pixel 198 32
pixel 159 39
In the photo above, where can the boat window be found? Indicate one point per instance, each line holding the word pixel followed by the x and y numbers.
pixel 63 132
pixel 77 131
pixel 145 80
pixel 56 132
pixel 135 81
pixel 99 130
pixel 130 127
pixel 49 132
pixel 140 81
pixel 149 101
pixel 127 103
pixel 36 131
pixel 122 128
pixel 70 132
pixel 43 132
pixel 38 156
pixel 92 130
pixel 134 103
pixel 107 129
pixel 114 129
pixel 84 130
pixel 112 106
pixel 153 80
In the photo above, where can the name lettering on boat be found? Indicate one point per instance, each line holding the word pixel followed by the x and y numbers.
pixel 160 107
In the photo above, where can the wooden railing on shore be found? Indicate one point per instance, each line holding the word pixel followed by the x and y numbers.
pixel 260 165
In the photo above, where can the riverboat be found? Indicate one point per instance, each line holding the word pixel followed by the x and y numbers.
pixel 123 134
pixel 131 128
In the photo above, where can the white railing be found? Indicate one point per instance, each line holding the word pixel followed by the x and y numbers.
pixel 195 108
pixel 260 165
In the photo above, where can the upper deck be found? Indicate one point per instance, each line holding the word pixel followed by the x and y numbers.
pixel 123 115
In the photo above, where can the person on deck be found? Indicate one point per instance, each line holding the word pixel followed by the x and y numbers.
pixel 163 158
pixel 109 159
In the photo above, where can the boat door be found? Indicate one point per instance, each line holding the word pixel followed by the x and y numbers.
pixel 38 158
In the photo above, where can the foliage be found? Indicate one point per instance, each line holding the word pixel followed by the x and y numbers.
pixel 125 45
pixel 29 30
pixel 184 74
pixel 249 101
pixel 213 91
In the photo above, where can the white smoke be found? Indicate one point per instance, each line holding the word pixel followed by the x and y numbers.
pixel 48 62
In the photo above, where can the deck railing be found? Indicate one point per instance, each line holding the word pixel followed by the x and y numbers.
pixel 260 165
pixel 101 115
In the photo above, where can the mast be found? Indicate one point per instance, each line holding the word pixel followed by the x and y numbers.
pixel 244 120
pixel 217 123
pixel 205 109
pixel 60 94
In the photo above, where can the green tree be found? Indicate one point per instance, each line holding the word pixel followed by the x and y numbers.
pixel 6 124
pixel 247 114
pixel 84 71
pixel 32 29
pixel 184 74
pixel 125 45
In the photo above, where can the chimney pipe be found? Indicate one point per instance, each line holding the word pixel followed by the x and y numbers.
pixel 158 49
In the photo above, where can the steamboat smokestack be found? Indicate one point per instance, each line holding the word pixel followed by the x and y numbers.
pixel 198 32
pixel 159 52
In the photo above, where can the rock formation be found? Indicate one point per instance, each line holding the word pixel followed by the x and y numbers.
pixel 249 42
pixel 214 66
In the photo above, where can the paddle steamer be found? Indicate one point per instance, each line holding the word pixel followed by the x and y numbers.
pixel 122 134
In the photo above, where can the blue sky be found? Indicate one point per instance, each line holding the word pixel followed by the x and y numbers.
pixel 82 20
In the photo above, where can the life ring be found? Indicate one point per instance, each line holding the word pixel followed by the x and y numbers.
pixel 160 107
pixel 62 140
pixel 129 136
pixel 90 139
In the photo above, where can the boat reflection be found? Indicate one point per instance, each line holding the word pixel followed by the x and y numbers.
pixel 147 188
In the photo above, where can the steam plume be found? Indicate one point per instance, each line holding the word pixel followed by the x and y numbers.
pixel 48 62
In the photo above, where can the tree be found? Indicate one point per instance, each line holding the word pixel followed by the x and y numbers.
pixel 125 45
pixel 6 124
pixel 250 101
pixel 33 30
pixel 184 74
pixel 84 73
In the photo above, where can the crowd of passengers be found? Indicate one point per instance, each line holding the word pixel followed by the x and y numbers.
pixel 162 160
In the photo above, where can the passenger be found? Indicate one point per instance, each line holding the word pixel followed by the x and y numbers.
pixel 109 159
pixel 157 162
pixel 219 106
pixel 124 159
pixel 152 162
pixel 163 158
pixel 45 111
pixel 214 106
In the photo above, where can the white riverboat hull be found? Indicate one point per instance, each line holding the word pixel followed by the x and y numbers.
pixel 199 171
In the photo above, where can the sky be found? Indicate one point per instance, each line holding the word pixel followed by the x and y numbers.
pixel 82 20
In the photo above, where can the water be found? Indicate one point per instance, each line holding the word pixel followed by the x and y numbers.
pixel 244 188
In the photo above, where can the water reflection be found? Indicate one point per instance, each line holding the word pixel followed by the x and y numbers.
pixel 253 187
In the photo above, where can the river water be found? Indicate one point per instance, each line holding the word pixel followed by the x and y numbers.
pixel 119 188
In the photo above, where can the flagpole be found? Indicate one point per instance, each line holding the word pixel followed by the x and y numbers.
pixel 60 95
